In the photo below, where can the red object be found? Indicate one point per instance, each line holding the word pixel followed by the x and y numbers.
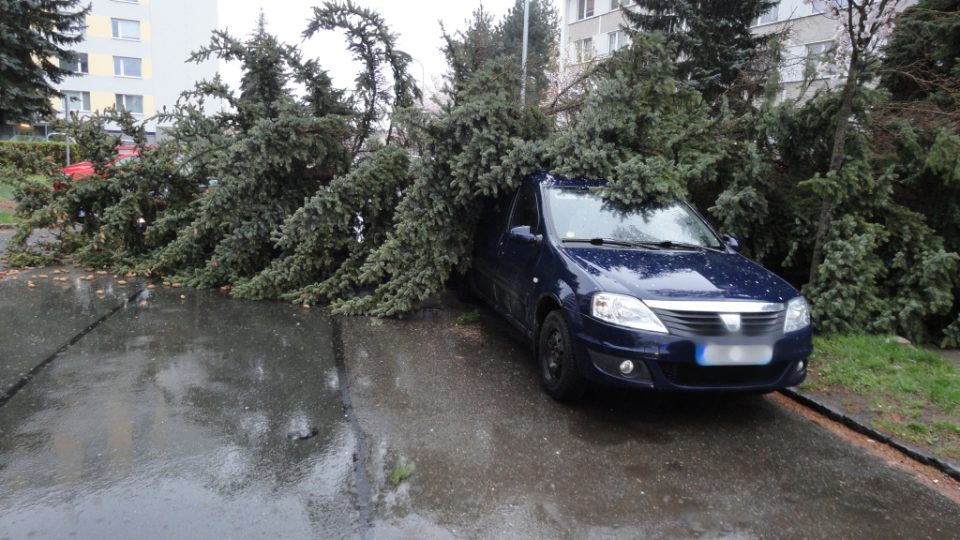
pixel 84 169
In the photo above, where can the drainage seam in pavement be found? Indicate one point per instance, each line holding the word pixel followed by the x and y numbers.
pixel 13 390
pixel 364 496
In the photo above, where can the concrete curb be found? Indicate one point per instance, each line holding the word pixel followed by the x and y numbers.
pixel 854 424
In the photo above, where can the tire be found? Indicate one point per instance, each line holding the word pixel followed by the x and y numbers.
pixel 464 286
pixel 559 376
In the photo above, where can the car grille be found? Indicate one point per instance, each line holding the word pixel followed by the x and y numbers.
pixel 718 376
pixel 699 323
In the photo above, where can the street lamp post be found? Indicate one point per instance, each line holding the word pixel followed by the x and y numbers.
pixel 66 119
pixel 523 61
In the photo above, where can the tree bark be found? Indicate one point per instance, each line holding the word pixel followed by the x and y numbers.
pixel 855 30
pixel 836 162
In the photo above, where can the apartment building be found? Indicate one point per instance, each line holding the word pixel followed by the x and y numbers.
pixel 592 30
pixel 134 56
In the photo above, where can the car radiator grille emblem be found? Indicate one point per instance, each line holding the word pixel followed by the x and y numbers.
pixel 731 321
pixel 703 323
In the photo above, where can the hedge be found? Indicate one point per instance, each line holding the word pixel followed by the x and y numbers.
pixel 36 157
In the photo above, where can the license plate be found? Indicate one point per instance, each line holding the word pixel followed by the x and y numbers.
pixel 734 355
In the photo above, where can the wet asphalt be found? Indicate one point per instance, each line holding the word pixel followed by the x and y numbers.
pixel 156 416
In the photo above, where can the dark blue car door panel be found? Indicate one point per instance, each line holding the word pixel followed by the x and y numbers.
pixel 517 261
pixel 490 231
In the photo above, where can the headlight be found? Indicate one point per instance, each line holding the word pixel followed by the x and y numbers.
pixel 626 311
pixel 798 315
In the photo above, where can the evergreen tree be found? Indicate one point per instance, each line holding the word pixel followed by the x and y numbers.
pixel 276 154
pixel 372 44
pixel 34 35
pixel 544 33
pixel 713 40
pixel 325 242
pixel 922 59
pixel 650 135
pixel 467 53
pixel 478 146
pixel 921 70
pixel 862 26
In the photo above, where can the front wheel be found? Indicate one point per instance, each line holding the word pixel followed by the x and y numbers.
pixel 558 370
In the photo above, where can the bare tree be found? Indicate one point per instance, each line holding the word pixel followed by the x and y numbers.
pixel 568 88
pixel 862 26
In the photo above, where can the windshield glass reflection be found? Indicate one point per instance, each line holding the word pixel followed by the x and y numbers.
pixel 581 213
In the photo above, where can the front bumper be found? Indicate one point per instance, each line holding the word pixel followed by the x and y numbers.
pixel 668 362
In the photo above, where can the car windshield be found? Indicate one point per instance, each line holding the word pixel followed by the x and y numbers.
pixel 124 159
pixel 583 214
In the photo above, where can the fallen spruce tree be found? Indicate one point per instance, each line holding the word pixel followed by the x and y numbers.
pixel 367 201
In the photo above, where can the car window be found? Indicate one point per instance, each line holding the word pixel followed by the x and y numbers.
pixel 124 160
pixel 525 212
pixel 583 213
pixel 494 216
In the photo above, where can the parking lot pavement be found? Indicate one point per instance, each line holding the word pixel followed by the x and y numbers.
pixel 36 322
pixel 208 417
pixel 492 456
pixel 182 418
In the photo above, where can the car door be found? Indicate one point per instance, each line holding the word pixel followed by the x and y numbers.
pixel 518 260
pixel 486 247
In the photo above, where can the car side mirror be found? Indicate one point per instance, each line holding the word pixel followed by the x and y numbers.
pixel 732 242
pixel 524 235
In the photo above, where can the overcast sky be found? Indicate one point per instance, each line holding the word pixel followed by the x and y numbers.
pixel 416 21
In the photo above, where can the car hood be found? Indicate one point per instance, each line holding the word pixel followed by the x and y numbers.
pixel 680 275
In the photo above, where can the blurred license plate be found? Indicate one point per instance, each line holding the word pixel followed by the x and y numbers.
pixel 734 355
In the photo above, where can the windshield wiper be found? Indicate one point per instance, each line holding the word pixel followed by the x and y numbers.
pixel 611 242
pixel 670 244
pixel 665 244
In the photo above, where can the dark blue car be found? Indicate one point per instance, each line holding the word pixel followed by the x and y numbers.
pixel 648 297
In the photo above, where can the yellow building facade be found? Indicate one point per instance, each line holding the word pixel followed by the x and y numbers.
pixel 134 57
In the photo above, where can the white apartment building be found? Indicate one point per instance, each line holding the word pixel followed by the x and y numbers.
pixel 134 56
pixel 592 30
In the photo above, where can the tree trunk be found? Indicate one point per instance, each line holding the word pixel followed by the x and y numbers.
pixel 836 161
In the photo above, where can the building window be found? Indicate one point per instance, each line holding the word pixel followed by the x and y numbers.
pixel 76 101
pixel 127 102
pixel 617 41
pixel 583 49
pixel 126 67
pixel 76 62
pixel 617 4
pixel 772 15
pixel 584 9
pixel 125 29
pixel 819 61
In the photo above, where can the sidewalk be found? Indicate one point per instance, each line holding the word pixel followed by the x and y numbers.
pixel 906 419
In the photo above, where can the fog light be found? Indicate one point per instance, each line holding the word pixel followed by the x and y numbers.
pixel 626 367
pixel 800 365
